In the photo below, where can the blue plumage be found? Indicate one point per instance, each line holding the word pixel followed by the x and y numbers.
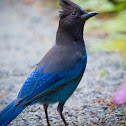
pixel 9 113
pixel 58 74
pixel 48 88
pixel 42 83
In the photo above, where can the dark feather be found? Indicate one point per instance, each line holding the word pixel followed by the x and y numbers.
pixel 68 7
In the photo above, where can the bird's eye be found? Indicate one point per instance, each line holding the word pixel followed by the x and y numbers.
pixel 73 13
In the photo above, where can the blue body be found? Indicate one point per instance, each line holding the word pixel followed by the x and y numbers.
pixel 44 88
pixel 58 74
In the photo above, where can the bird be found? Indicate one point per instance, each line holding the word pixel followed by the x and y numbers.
pixel 120 97
pixel 58 74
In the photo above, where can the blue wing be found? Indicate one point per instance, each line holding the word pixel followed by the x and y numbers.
pixel 39 83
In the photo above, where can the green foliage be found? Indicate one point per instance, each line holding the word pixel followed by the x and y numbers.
pixel 117 45
pixel 112 46
pixel 117 23
pixel 102 5
pixel 98 5
pixel 102 72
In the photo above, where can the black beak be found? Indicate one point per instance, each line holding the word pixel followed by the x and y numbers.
pixel 87 15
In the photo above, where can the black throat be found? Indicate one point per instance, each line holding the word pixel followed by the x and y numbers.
pixel 69 35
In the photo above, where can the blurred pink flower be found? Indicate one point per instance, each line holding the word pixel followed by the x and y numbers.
pixel 120 97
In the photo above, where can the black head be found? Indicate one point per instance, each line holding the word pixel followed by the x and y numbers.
pixel 72 20
pixel 72 14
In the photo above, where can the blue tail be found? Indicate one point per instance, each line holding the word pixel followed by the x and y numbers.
pixel 9 113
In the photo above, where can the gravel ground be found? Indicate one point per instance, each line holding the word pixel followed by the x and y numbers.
pixel 27 32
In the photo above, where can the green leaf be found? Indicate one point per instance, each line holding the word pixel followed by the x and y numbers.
pixel 102 73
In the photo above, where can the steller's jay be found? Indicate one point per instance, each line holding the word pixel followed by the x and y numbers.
pixel 58 74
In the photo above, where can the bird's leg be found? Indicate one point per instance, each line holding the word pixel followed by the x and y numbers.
pixel 45 106
pixel 60 109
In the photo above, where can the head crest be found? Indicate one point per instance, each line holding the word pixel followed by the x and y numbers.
pixel 67 7
pixel 67 4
